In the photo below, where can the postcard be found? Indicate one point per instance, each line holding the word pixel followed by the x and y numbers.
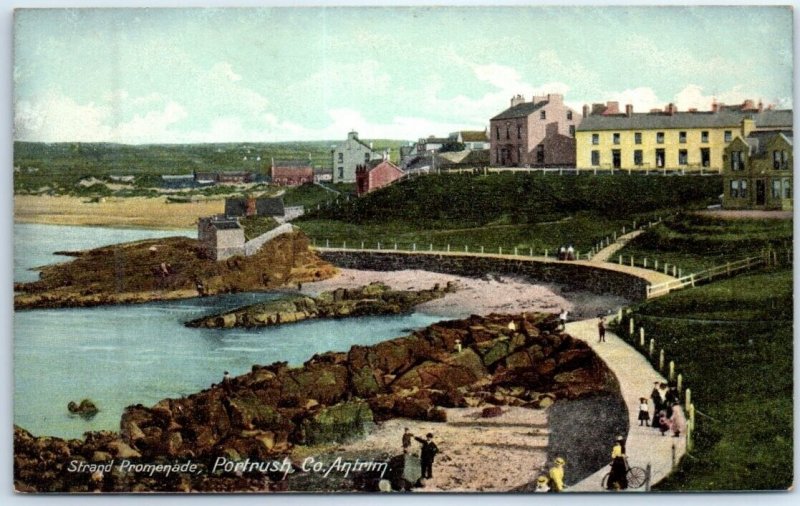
pixel 403 249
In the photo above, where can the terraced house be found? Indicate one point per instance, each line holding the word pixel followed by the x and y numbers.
pixel 758 171
pixel 668 139
pixel 538 133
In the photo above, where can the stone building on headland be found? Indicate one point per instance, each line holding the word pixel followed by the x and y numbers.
pixel 348 155
pixel 757 171
pixel 221 237
pixel 539 133
pixel 668 139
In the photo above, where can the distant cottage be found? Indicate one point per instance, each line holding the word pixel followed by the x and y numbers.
pixel 757 171
pixel 376 174
pixel 538 133
pixel 348 155
pixel 292 172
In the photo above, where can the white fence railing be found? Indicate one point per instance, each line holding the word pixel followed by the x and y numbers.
pixel 727 269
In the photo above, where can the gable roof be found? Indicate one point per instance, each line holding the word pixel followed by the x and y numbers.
pixel 758 140
pixel 702 119
pixel 522 110
pixel 473 136
pixel 265 206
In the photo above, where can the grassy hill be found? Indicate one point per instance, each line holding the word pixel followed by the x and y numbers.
pixel 732 341
pixel 506 210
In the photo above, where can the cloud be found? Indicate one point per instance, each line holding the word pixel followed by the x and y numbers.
pixel 225 71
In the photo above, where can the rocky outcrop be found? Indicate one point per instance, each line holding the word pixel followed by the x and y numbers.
pixel 86 409
pixel 169 268
pixel 373 299
pixel 492 361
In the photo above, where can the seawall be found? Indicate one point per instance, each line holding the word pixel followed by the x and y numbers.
pixel 594 277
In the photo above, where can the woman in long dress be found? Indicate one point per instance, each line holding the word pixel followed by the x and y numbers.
pixel 618 480
pixel 678 420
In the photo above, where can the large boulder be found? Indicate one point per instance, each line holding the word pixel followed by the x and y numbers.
pixel 336 423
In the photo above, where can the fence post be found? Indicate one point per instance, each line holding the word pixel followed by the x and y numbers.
pixel 630 327
pixel 615 235
pixel 530 252
pixel 645 262
pixel 674 270
pixel 661 360
pixel 327 243
pixel 395 245
pixel 680 273
pixel 545 253
pixel 448 248
pixel 500 250
pixel 680 383
pixel 692 280
pixel 666 268
pixel 631 260
pixel 515 251
pixel 379 245
pixel 414 247
pixel 687 399
pixel 671 370
pixel 620 259
pixel 648 473
pixel 623 229
pixel 362 244
pixel 641 337
pixel 619 316
pixel 634 224
pixel 344 244
pixel 431 247
pixel 466 249
pixel 481 250
pixel 652 346
pixel 655 264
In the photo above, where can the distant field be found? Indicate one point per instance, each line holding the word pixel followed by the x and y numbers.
pixel 694 242
pixel 732 341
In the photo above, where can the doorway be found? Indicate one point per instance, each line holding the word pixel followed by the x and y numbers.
pixel 761 192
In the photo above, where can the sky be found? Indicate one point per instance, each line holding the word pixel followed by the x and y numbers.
pixel 281 74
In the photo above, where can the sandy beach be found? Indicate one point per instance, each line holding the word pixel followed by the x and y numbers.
pixel 132 212
pixel 490 294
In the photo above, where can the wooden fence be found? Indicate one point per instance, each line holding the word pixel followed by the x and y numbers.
pixel 707 275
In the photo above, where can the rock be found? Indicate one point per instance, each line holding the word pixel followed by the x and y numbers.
pixel 336 423
pixel 121 450
pixel 86 409
pixel 99 456
pixel 498 351
pixel 518 360
pixel 491 412
pixel 364 383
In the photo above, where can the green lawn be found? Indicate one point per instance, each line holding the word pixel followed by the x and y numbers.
pixel 694 242
pixel 732 341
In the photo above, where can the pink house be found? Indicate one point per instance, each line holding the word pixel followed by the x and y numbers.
pixel 376 174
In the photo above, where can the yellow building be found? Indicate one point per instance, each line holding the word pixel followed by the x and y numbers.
pixel 669 139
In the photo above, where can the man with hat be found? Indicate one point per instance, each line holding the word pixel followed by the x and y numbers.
pixel 429 451
pixel 557 475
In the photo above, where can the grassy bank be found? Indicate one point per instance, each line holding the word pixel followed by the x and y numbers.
pixel 695 242
pixel 732 341
pixel 508 210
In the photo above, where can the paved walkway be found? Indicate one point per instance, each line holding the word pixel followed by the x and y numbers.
pixel 644 445
pixel 605 254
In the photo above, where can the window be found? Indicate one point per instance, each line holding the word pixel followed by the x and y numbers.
pixel 728 136
pixel 704 136
pixel 519 131
pixel 366 157
pixel 784 159
pixel 616 138
pixel 780 160
pixel 595 139
pixel 572 130
pixel 508 132
pixel 660 137
pixel 540 153
pixel 683 157
pixel 682 137
pixel 737 162
pixel 497 132
pixel 734 188
pixel 341 172
pixel 776 188
pixel 637 138
pixel 743 188
pixel 787 188
pixel 543 115
pixel 637 157
pixel 569 115
pixel 595 158
pixel 341 157
pixel 659 158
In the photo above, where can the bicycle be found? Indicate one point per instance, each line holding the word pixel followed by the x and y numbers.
pixel 636 476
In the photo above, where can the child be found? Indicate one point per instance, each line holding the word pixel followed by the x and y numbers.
pixel 644 413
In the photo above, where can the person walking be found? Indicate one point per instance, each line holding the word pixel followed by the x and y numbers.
pixel 644 413
pixel 570 252
pixel 618 479
pixel 601 330
pixel 678 420
pixel 556 475
pixel 562 318
pixel 429 451
pixel 658 402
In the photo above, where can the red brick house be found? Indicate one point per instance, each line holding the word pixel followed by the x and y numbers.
pixel 292 172
pixel 376 174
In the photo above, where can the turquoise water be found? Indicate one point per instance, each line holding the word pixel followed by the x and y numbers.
pixel 123 355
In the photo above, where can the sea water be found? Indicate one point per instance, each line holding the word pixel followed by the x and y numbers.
pixel 141 353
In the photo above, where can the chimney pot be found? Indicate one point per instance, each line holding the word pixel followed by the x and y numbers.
pixel 629 110
pixel 586 110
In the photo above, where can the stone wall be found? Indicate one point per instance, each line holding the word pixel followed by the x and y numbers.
pixel 585 277
pixel 253 245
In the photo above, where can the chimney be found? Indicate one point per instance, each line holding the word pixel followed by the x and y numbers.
pixel 748 125
pixel 251 206
pixel 555 98
pixel 629 110
pixel 516 100
pixel 748 105
pixel 585 110
pixel 598 108
pixel 671 109
pixel 692 109
pixel 760 105
pixel 611 108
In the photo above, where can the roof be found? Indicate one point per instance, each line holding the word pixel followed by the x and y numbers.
pixel 373 164
pixel 294 164
pixel 522 110
pixel 758 140
pixel 222 223
pixel 265 206
pixel 474 136
pixel 702 119
pixel 435 140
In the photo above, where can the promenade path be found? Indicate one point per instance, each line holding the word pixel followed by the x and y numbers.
pixel 644 445
pixel 607 253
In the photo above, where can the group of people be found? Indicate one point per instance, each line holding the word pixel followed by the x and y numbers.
pixel 667 411
pixel 566 252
